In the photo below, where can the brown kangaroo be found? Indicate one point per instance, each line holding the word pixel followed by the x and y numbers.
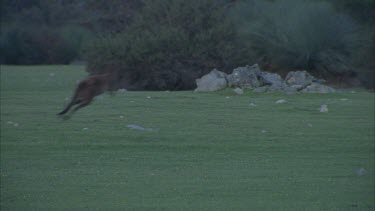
pixel 87 89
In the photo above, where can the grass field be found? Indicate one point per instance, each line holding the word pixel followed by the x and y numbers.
pixel 205 151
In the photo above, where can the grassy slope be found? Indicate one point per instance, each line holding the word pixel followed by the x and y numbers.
pixel 207 152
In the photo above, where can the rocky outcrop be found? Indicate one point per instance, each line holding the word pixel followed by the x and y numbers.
pixel 270 78
pixel 299 79
pixel 245 77
pixel 252 77
pixel 281 87
pixel 318 88
pixel 213 81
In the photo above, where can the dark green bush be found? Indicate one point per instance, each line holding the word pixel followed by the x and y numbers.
pixel 364 59
pixel 169 45
pixel 20 44
pixel 74 39
pixel 299 34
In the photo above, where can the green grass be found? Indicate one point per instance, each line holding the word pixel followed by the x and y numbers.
pixel 208 151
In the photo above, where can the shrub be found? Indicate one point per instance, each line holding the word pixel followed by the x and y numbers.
pixel 173 42
pixel 17 46
pixel 74 39
pixel 298 34
pixel 21 44
pixel 169 45
pixel 364 59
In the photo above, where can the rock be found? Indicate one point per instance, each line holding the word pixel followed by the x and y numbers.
pixel 305 82
pixel 252 77
pixel 280 101
pixel 238 91
pixel 245 77
pixel 297 87
pixel 213 81
pixel 261 89
pixel 270 78
pixel 137 127
pixel 299 79
pixel 323 108
pixel 319 81
pixel 281 87
pixel 361 172
pixel 318 88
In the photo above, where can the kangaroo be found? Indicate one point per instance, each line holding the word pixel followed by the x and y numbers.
pixel 87 89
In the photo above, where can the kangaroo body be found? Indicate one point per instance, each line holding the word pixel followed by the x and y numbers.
pixel 86 91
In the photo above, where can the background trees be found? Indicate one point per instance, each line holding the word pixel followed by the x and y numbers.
pixel 167 44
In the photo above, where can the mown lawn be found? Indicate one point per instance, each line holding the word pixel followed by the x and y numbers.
pixel 205 151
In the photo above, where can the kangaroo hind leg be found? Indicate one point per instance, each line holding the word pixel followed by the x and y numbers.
pixel 83 104
pixel 67 108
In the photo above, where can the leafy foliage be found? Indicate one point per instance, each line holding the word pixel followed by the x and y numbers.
pixel 169 44
pixel 41 45
pixel 298 34
pixel 364 59
pixel 43 31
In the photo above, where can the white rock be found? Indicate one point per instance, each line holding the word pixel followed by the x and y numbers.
pixel 252 105
pixel 138 127
pixel 361 172
pixel 213 81
pixel 324 108
pixel 280 101
pixel 238 91
pixel 318 88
